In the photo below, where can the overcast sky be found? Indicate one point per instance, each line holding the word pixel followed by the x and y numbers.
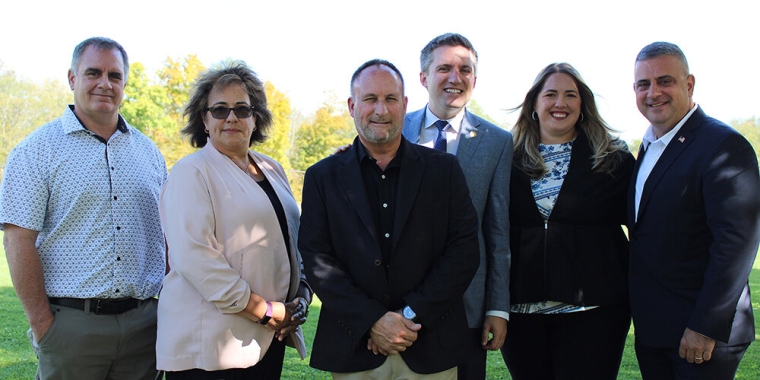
pixel 309 49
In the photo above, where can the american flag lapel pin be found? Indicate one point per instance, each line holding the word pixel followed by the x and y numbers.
pixel 682 139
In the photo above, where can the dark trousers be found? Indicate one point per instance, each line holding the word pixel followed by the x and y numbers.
pixel 581 345
pixel 268 368
pixel 475 366
pixel 657 363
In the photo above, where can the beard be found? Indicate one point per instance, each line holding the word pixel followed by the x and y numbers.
pixel 378 136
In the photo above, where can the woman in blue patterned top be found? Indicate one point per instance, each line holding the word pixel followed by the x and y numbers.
pixel 569 316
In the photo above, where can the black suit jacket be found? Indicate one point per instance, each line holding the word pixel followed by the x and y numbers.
pixel 696 237
pixel 433 259
pixel 582 249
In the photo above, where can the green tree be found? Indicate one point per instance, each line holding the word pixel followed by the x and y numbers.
pixel 331 127
pixel 633 146
pixel 178 77
pixel 316 138
pixel 751 131
pixel 25 105
pixel 278 143
pixel 147 107
pixel 477 109
pixel 156 106
pixel 145 103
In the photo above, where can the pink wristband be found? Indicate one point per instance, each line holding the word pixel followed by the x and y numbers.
pixel 268 315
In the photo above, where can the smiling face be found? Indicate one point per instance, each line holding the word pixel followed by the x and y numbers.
pixel 558 107
pixel 231 136
pixel 378 105
pixel 449 79
pixel 663 89
pixel 98 85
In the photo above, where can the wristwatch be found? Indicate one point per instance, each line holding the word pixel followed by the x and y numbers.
pixel 268 315
pixel 409 314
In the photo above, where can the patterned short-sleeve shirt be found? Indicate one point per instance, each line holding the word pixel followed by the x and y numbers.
pixel 95 205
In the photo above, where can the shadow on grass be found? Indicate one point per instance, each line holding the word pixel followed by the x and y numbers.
pixel 18 362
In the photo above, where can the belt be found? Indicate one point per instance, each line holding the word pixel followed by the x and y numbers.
pixel 98 305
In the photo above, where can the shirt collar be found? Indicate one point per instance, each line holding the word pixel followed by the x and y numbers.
pixel 121 125
pixel 362 154
pixel 650 137
pixel 455 122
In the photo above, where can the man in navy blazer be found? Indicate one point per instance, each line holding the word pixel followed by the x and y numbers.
pixel 449 71
pixel 694 227
pixel 389 242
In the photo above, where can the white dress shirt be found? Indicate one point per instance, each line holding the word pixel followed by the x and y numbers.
pixel 452 132
pixel 654 148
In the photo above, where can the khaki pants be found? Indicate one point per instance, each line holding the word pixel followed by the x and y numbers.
pixel 394 368
pixel 81 345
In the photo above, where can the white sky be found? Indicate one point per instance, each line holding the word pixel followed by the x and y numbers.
pixel 309 49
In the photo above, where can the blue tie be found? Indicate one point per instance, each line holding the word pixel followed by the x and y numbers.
pixel 440 141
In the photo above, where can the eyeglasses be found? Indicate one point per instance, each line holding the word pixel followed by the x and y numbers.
pixel 221 112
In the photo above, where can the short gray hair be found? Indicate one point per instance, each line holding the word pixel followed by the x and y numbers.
pixel 659 49
pixel 101 43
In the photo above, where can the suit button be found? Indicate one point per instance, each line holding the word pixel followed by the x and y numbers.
pixel 378 263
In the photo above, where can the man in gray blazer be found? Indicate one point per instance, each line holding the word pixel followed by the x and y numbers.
pixel 449 72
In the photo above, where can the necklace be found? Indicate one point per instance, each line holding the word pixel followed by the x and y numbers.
pixel 245 170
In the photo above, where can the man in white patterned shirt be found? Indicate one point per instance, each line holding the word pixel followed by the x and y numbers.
pixel 83 239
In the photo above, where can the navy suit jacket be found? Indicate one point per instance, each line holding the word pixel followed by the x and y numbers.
pixel 434 255
pixel 696 237
pixel 485 154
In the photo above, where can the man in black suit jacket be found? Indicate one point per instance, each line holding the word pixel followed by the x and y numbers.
pixel 694 225
pixel 389 241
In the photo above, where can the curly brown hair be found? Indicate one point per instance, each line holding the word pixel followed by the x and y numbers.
pixel 235 72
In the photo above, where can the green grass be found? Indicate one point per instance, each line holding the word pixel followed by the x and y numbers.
pixel 17 362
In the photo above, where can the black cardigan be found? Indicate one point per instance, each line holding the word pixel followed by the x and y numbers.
pixel 580 256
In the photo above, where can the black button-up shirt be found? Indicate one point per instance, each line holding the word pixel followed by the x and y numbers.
pixel 381 188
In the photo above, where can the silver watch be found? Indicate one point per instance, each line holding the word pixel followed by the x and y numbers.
pixel 409 314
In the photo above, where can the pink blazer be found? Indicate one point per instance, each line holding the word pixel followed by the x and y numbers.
pixel 224 242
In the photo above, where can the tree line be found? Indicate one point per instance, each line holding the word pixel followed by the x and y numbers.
pixel 154 104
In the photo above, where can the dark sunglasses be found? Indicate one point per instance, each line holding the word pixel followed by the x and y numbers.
pixel 221 112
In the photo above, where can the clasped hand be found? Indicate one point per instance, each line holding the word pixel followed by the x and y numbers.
pixel 294 315
pixel 392 334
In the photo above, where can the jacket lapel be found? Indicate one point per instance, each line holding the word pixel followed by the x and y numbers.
pixel 676 146
pixel 410 177
pixel 354 189
pixel 468 142
pixel 632 187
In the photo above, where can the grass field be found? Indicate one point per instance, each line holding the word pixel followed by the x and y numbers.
pixel 17 362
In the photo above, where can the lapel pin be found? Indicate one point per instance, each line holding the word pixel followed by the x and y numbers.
pixel 682 139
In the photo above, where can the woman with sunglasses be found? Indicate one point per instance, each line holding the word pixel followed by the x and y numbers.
pixel 235 293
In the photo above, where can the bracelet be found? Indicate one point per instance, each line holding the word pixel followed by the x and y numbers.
pixel 268 315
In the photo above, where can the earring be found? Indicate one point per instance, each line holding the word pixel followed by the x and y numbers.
pixel 254 128
pixel 581 116
pixel 205 130
pixel 534 115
